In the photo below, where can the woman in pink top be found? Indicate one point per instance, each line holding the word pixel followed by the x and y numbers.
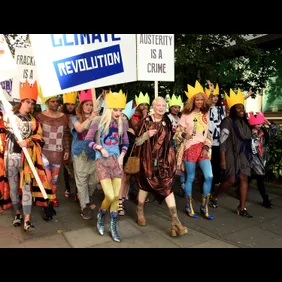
pixel 194 144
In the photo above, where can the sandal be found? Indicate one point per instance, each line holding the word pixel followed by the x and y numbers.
pixel 28 226
pixel 121 211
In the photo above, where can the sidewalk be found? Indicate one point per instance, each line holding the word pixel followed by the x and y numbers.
pixel 227 230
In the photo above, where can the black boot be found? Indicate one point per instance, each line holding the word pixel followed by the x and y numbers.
pixel 266 203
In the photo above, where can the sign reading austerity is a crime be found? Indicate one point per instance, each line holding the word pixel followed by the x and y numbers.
pixel 73 62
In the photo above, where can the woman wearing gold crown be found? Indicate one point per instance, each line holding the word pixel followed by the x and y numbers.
pixel 109 133
pixel 31 133
pixel 157 164
pixel 235 150
pixel 194 145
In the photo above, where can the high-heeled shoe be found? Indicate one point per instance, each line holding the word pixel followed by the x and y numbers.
pixel 243 213
pixel 204 207
pixel 189 207
pixel 141 220
pixel 178 230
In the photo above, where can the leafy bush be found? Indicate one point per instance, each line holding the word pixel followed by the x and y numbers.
pixel 274 164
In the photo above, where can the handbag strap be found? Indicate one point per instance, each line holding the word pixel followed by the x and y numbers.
pixel 134 145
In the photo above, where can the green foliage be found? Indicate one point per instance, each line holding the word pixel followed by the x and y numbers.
pixel 274 164
pixel 202 57
pixel 209 56
pixel 274 89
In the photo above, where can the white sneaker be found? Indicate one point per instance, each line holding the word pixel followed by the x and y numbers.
pixel 18 220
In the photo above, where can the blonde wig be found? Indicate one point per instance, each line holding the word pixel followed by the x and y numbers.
pixel 106 120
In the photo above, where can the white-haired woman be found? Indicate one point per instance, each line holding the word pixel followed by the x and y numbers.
pixel 157 164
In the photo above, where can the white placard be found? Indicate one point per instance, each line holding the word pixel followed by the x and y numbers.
pixel 27 69
pixel 73 62
pixel 155 57
pixel 8 68
pixel 6 86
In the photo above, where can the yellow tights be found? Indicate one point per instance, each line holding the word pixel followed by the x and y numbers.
pixel 111 189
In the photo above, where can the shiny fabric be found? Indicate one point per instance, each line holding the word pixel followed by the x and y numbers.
pixel 158 161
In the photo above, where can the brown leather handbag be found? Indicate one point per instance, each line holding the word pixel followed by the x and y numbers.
pixel 132 165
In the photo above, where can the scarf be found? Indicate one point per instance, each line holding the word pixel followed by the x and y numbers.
pixel 26 175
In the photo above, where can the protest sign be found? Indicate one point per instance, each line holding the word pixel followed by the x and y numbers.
pixel 155 57
pixel 8 68
pixel 6 85
pixel 27 69
pixel 73 62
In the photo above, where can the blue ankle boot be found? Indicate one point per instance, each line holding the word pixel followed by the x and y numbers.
pixel 100 221
pixel 204 206
pixel 113 226
pixel 189 207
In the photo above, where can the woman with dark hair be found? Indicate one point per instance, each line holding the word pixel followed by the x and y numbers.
pixel 20 176
pixel 174 107
pixel 216 115
pixel 263 132
pixel 68 108
pixel 235 151
pixel 127 113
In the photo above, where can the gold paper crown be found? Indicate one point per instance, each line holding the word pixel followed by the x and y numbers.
pixel 70 97
pixel 44 99
pixel 115 100
pixel 142 99
pixel 234 98
pixel 215 91
pixel 194 90
pixel 175 101
pixel 28 91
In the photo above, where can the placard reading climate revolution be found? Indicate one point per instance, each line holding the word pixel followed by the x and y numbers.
pixel 73 62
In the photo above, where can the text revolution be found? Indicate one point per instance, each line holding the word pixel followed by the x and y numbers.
pixel 89 66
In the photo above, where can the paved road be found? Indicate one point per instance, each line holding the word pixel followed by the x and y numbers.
pixel 227 230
